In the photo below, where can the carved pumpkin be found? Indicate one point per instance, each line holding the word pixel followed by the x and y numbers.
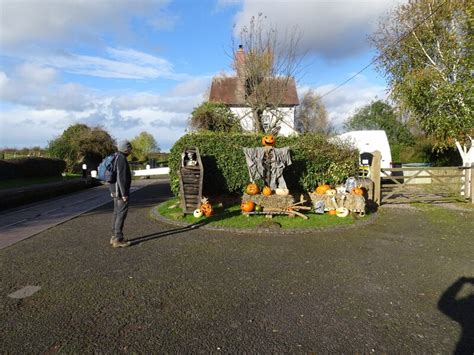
pixel 197 213
pixel 267 191
pixel 206 207
pixel 268 140
pixel 358 191
pixel 321 189
pixel 252 189
pixel 342 212
pixel 247 206
pixel 332 213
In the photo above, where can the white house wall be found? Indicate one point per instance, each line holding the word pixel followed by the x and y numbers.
pixel 287 123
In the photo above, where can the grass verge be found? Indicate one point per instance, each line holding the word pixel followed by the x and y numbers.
pixel 16 183
pixel 231 217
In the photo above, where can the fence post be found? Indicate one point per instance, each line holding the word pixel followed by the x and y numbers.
pixel 375 176
pixel 471 182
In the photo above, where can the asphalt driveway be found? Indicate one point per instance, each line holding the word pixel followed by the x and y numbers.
pixel 391 286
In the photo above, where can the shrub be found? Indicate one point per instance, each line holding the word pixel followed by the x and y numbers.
pixel 31 167
pixel 214 116
pixel 314 160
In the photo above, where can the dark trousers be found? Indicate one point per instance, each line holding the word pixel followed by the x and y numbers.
pixel 118 219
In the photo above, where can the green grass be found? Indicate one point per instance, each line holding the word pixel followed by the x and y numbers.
pixel 16 183
pixel 231 217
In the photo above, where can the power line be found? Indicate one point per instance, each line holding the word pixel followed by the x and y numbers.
pixel 385 51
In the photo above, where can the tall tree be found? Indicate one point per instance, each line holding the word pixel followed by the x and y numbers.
pixel 311 115
pixel 266 70
pixel 380 115
pixel 426 53
pixel 80 143
pixel 143 145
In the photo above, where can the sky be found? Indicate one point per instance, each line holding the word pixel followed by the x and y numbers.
pixel 143 65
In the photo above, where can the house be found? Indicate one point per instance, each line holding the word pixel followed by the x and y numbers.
pixel 231 91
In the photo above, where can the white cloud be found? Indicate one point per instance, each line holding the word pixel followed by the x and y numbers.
pixel 35 20
pixel 343 102
pixel 332 29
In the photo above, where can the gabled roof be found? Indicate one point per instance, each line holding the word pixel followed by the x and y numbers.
pixel 229 91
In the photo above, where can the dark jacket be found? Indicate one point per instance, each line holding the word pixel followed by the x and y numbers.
pixel 124 177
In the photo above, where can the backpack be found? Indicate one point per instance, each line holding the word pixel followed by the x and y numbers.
pixel 107 169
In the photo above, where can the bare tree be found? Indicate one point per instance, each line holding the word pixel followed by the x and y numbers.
pixel 311 115
pixel 266 65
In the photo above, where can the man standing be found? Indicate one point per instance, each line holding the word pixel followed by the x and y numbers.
pixel 120 191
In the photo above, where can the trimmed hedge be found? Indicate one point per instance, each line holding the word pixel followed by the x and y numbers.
pixel 315 160
pixel 31 167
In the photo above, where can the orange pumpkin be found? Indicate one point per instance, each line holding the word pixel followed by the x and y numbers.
pixel 321 189
pixel 206 207
pixel 267 191
pixel 247 206
pixel 358 191
pixel 268 140
pixel 252 189
pixel 332 212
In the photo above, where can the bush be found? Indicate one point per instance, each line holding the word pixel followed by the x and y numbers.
pixel 31 167
pixel 315 160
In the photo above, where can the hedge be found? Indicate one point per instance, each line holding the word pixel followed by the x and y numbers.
pixel 31 167
pixel 314 160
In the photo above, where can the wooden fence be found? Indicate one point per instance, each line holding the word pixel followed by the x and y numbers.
pixel 421 184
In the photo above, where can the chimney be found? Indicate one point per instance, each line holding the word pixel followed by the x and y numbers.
pixel 239 60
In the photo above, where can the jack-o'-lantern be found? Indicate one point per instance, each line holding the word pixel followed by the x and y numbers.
pixel 332 212
pixel 197 213
pixel 267 191
pixel 206 207
pixel 321 189
pixel 342 212
pixel 252 189
pixel 247 206
pixel 268 140
pixel 358 191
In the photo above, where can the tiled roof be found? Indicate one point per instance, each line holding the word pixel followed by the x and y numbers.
pixel 229 90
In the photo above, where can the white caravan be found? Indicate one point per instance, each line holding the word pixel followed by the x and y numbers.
pixel 370 141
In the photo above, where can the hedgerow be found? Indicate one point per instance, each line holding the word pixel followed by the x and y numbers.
pixel 31 167
pixel 315 160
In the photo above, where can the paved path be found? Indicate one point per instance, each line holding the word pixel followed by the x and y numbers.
pixel 393 286
pixel 24 222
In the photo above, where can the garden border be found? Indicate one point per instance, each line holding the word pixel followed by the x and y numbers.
pixel 154 214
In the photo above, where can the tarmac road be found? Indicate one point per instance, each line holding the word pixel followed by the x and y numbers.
pixel 371 289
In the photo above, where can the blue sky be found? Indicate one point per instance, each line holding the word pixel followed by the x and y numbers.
pixel 143 65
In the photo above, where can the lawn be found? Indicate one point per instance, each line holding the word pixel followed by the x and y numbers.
pixel 231 217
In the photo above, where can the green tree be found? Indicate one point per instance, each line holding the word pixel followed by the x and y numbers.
pixel 311 115
pixel 426 53
pixel 215 117
pixel 143 145
pixel 81 144
pixel 380 115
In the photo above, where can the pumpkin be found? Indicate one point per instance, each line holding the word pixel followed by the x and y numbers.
pixel 267 191
pixel 206 207
pixel 332 212
pixel 321 189
pixel 247 206
pixel 331 192
pixel 197 213
pixel 268 140
pixel 252 189
pixel 258 208
pixel 282 192
pixel 342 212
pixel 358 191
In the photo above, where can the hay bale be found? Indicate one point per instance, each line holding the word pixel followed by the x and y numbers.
pixel 272 201
pixel 353 203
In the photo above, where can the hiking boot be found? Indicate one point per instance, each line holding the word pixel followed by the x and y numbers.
pixel 120 243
